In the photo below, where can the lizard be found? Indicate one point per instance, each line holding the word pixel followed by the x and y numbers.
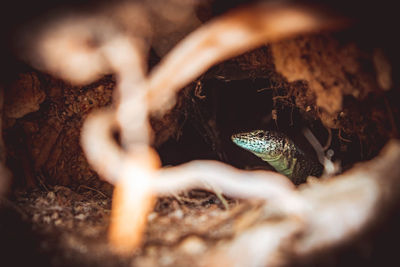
pixel 281 153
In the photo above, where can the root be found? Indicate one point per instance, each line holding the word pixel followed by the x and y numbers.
pixel 135 168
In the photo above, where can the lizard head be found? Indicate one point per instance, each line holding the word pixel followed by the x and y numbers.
pixel 262 143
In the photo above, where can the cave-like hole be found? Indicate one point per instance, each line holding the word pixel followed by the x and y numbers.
pixel 221 108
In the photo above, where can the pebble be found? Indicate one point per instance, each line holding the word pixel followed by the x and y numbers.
pixel 51 195
pixel 80 216
pixel 193 245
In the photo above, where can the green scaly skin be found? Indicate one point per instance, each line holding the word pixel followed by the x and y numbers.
pixel 281 153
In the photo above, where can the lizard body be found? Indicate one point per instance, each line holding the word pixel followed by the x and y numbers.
pixel 280 152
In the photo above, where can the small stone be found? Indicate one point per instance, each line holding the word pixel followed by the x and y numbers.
pixel 47 219
pixel 203 218
pixel 178 214
pixel 170 236
pixel 54 216
pixel 80 216
pixel 152 216
pixel 78 209
pixel 312 180
pixel 193 245
pixel 51 195
pixel 100 88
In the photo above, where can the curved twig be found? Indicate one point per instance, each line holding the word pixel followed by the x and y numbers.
pixel 227 36
pixel 135 170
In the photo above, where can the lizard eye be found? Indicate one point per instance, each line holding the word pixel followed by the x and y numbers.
pixel 260 135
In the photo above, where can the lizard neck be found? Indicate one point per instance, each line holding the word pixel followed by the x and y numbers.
pixel 281 164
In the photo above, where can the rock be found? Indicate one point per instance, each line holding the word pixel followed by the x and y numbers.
pixel 193 245
pixel 24 96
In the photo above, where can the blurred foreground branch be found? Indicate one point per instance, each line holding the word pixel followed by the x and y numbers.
pixel 339 210
pixel 315 211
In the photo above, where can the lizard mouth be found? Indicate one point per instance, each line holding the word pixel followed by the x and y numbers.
pixel 245 141
pixel 240 139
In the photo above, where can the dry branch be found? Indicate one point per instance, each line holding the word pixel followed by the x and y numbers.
pixel 340 209
pixel 227 36
pixel 135 169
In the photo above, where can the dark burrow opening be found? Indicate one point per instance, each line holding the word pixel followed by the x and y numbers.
pixel 221 108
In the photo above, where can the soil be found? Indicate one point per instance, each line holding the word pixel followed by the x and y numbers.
pixel 67 228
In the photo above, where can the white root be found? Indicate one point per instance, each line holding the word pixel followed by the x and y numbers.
pixel 340 209
pixel 324 213
pixel 227 36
